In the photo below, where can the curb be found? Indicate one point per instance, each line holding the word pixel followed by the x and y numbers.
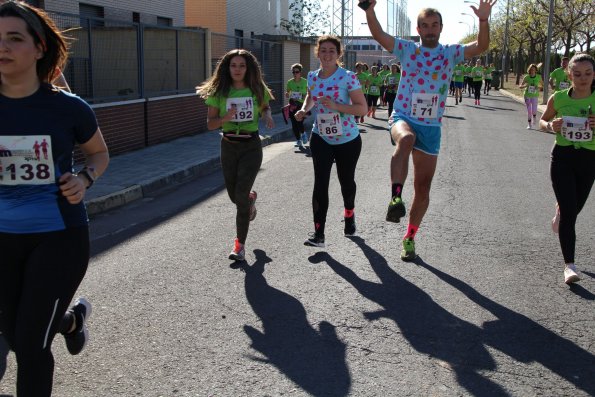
pixel 146 188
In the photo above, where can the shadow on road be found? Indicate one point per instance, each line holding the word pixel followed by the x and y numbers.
pixel 313 359
pixel 526 341
pixel 432 330
pixel 429 328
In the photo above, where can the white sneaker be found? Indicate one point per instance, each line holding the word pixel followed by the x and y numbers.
pixel 529 126
pixel 570 275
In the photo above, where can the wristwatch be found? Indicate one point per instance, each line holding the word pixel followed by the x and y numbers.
pixel 89 175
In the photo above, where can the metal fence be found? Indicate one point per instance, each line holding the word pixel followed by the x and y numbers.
pixel 118 60
pixel 268 53
pixel 113 61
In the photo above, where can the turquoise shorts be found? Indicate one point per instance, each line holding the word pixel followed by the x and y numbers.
pixel 427 138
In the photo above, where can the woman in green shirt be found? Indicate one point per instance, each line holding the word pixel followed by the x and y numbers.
pixel 373 85
pixel 569 114
pixel 532 84
pixel 392 84
pixel 295 91
pixel 237 96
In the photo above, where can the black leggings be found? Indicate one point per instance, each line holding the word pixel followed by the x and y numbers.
pixel 296 126
pixel 240 162
pixel 572 172
pixel 477 89
pixel 390 99
pixel 39 275
pixel 346 156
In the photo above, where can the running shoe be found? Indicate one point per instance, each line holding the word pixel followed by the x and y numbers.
pixel 252 196
pixel 77 339
pixel 529 126
pixel 297 143
pixel 556 220
pixel 315 240
pixel 396 210
pixel 461 98
pixel 478 102
pixel 570 274
pixel 305 138
pixel 350 228
pixel 238 253
pixel 408 253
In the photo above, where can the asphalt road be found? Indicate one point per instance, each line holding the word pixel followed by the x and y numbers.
pixel 482 312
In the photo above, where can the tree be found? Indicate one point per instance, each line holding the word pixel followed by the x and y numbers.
pixel 307 18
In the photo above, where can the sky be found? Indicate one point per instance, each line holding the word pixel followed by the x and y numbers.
pixel 450 9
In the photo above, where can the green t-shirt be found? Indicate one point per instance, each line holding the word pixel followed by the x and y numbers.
pixel 468 71
pixel 297 90
pixel 559 75
pixel 392 82
pixel 564 105
pixel 363 77
pixel 375 84
pixel 248 109
pixel 383 73
pixel 459 73
pixel 477 73
pixel 532 88
pixel 487 74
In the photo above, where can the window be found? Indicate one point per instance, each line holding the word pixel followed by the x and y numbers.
pixel 135 17
pixel 162 21
pixel 36 3
pixel 239 38
pixel 89 14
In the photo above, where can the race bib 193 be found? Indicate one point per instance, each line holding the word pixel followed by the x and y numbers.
pixel 244 108
pixel 576 129
pixel 26 160
pixel 329 124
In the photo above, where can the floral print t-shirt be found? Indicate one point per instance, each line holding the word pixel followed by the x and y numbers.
pixel 425 78
pixel 337 87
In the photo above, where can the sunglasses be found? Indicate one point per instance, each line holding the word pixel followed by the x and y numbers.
pixel 296 71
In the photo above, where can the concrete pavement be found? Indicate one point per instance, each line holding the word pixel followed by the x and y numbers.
pixel 132 176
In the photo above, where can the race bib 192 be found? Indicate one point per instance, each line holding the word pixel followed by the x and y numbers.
pixel 26 160
pixel 244 108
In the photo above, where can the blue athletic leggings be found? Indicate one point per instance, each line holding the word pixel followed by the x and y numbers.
pixel 39 275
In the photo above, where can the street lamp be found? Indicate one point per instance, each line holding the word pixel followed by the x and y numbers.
pixel 472 17
pixel 468 26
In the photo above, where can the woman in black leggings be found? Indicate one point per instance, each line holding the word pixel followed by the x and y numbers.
pixel 569 114
pixel 336 95
pixel 44 237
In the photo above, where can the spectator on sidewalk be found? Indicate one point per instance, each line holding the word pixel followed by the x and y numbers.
pixel 237 97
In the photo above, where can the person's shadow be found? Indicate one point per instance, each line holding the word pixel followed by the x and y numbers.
pixel 527 341
pixel 313 359
pixel 427 326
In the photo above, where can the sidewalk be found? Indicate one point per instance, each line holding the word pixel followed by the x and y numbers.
pixel 132 176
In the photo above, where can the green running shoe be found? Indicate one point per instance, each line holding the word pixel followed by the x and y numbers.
pixel 408 253
pixel 396 210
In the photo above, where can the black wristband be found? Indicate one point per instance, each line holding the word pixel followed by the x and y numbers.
pixel 87 176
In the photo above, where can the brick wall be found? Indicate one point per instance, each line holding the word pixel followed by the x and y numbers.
pixel 124 128
pixel 176 117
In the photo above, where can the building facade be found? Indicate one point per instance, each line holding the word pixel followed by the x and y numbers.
pixel 167 13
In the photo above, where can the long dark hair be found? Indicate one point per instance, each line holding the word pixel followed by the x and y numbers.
pixel 220 83
pixel 45 33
